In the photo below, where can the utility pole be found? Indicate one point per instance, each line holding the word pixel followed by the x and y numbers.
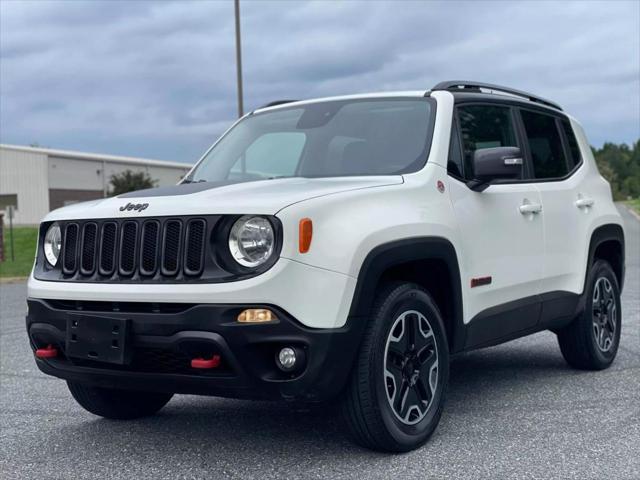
pixel 239 58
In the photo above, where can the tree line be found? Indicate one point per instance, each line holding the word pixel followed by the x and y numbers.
pixel 620 165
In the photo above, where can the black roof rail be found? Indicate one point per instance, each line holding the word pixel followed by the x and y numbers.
pixel 276 102
pixel 461 85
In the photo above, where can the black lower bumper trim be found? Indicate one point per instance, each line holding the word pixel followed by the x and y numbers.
pixel 162 345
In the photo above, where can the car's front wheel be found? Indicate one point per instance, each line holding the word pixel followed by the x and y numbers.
pixel 118 404
pixel 397 389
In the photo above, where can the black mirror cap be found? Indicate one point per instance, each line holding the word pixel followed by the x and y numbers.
pixel 494 164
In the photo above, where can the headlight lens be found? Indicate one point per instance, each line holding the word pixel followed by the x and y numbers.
pixel 251 241
pixel 52 244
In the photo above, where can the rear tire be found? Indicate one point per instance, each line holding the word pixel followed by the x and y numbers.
pixel 118 404
pixel 394 399
pixel 591 341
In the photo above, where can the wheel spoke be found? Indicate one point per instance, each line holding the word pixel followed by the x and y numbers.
pixel 424 387
pixel 610 305
pixel 423 341
pixel 411 324
pixel 395 353
pixel 411 400
pixel 394 368
pixel 400 400
pixel 608 290
pixel 427 353
pixel 398 337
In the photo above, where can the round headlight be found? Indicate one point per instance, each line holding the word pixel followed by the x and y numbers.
pixel 251 241
pixel 52 244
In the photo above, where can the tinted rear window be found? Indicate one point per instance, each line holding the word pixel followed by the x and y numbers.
pixel 545 144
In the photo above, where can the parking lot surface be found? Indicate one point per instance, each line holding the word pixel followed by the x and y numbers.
pixel 513 411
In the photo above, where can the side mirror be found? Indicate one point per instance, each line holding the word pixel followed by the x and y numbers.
pixel 494 164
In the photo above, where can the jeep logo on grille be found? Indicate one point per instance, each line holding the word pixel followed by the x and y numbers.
pixel 138 207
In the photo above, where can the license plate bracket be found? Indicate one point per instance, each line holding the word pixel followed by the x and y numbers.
pixel 101 339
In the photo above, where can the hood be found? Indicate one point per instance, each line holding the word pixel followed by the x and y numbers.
pixel 265 197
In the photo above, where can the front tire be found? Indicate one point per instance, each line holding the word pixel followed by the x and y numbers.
pixel 397 390
pixel 591 341
pixel 118 404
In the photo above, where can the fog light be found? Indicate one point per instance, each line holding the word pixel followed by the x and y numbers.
pixel 287 359
pixel 256 315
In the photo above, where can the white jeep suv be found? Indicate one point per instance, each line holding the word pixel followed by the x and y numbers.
pixel 337 248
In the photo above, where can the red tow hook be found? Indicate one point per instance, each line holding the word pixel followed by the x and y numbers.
pixel 200 362
pixel 47 352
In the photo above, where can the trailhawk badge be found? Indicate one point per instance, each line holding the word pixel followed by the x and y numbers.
pixel 138 207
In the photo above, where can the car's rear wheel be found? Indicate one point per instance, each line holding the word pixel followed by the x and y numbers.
pixel 395 397
pixel 118 404
pixel 591 341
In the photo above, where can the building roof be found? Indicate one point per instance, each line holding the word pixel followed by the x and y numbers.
pixel 96 156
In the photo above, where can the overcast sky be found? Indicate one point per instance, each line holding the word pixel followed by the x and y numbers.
pixel 157 79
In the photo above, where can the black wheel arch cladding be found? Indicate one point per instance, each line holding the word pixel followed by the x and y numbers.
pixel 406 252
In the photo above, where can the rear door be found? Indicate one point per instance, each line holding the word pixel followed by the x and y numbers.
pixel 567 204
pixel 502 243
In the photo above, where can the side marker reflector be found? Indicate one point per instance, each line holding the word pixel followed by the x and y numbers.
pixel 477 282
pixel 305 235
pixel 47 352
pixel 212 362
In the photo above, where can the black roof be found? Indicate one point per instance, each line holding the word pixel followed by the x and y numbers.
pixel 464 86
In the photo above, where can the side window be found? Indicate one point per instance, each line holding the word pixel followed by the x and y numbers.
pixel 484 126
pixel 572 143
pixel 455 164
pixel 271 155
pixel 545 144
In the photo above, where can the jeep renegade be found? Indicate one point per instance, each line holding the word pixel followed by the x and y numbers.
pixel 341 248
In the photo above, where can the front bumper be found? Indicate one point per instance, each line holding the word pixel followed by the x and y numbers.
pixel 163 337
pixel 316 297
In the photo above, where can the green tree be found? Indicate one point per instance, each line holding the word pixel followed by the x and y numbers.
pixel 129 181
pixel 620 165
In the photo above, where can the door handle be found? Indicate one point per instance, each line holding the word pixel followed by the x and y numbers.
pixel 584 202
pixel 533 208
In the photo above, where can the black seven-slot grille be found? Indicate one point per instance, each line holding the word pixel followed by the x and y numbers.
pixel 135 248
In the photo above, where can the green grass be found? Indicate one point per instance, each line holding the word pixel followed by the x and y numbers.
pixel 24 240
pixel 635 204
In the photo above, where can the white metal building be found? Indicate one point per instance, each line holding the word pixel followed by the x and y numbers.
pixel 37 180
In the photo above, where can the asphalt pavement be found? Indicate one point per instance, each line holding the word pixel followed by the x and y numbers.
pixel 514 411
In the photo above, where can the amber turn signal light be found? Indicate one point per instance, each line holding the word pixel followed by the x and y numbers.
pixel 305 235
pixel 256 315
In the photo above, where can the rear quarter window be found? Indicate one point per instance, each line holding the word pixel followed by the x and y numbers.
pixel 572 144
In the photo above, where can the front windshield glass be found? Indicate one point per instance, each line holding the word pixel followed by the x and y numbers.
pixel 328 139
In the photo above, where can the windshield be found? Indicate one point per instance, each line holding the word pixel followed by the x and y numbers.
pixel 328 139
